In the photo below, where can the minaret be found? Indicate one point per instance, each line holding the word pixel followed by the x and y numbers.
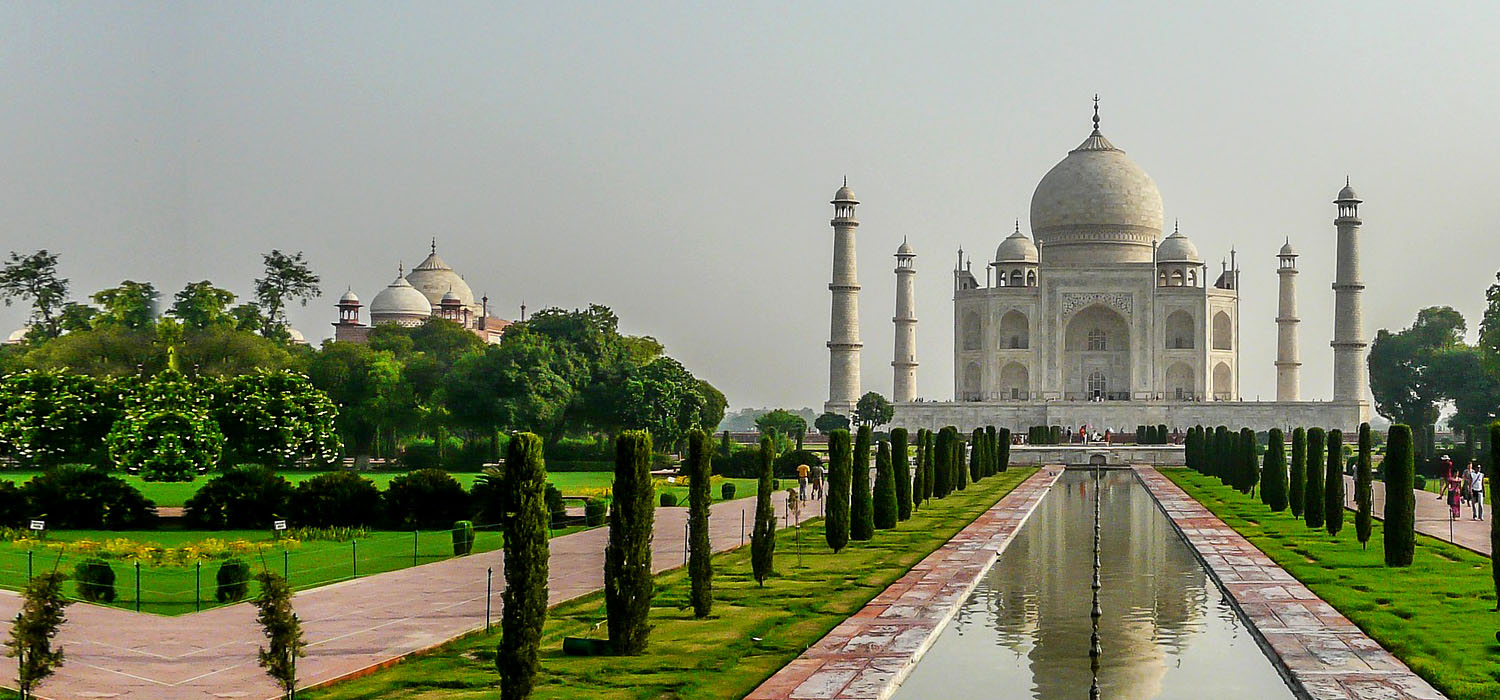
pixel 1288 362
pixel 843 342
pixel 1349 372
pixel 905 386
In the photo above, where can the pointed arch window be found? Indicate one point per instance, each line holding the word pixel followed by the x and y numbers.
pixel 1097 340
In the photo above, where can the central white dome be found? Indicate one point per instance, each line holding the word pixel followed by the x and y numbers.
pixel 434 279
pixel 1096 205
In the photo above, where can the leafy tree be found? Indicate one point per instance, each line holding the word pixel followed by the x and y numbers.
pixel 1297 498
pixel 1333 484
pixel 1400 502
pixel 628 580
pixel 1312 494
pixel 49 418
pixel 1462 376
pixel 829 422
pixel 366 387
pixel 700 549
pixel 166 431
pixel 524 601
pixel 107 351
pixel 781 422
pixel 861 507
pixel 515 385
pixel 840 474
pixel 247 317
pixel 34 628
pixel 901 462
pixel 34 278
pixel 76 317
pixel 128 305
pixel 711 406
pixel 1494 499
pixel 285 278
pixel 1489 328
pixel 1363 493
pixel 1273 478
pixel 763 537
pixel 277 419
pixel 244 498
pixel 873 409
pixel 885 513
pixel 222 351
pixel 283 630
pixel 201 305
pixel 1401 371
pixel 661 397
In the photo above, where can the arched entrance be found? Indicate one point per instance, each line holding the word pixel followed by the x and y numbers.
pixel 1096 355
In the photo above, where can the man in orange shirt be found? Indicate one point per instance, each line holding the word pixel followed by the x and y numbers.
pixel 802 471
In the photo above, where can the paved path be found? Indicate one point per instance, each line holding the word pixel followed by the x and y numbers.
pixel 350 627
pixel 1432 517
pixel 868 655
pixel 1324 653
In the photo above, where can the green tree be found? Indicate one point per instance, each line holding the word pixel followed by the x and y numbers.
pixel 829 422
pixel 763 537
pixel 901 462
pixel 1247 471
pixel 872 409
pixel 1401 370
pixel 1363 491
pixel 33 629
pixel 166 430
pixel 861 505
pixel 49 418
pixel 285 278
pixel 77 317
pixel 201 305
pixel 34 279
pixel 366 387
pixel 1333 484
pixel 1297 496
pixel 700 550
pixel 780 422
pixel 977 458
pixel 943 454
pixel 1494 499
pixel 1002 438
pixel 918 477
pixel 515 385
pixel 223 351
pixel 283 631
pixel 628 581
pixel 1489 328
pixel 277 419
pixel 1273 478
pixel 711 406
pixel 1312 494
pixel 840 474
pixel 661 397
pixel 1400 502
pixel 884 509
pixel 524 523
pixel 129 305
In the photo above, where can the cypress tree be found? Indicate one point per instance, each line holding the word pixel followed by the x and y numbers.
pixel 861 505
pixel 1494 500
pixel 1363 491
pixel 929 468
pixel 993 440
pixel 885 509
pixel 1333 484
pixel 1249 475
pixel 524 522
pixel 628 582
pixel 1273 479
pixel 1003 438
pixel 836 501
pixel 1140 435
pixel 960 463
pixel 1312 496
pixel 700 549
pixel 977 460
pixel 917 476
pixel 942 465
pixel 763 537
pixel 1297 480
pixel 902 466
pixel 1187 450
pixel 1161 434
pixel 1400 503
pixel 1229 450
pixel 1221 453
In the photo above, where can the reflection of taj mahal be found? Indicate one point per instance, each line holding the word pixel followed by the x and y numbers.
pixel 1098 319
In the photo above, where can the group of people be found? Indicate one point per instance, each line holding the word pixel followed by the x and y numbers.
pixel 810 476
pixel 1463 486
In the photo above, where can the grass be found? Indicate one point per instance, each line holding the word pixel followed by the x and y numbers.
pixel 752 632
pixel 1436 615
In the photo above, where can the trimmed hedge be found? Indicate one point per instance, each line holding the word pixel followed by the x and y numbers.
pixel 595 510
pixel 668 499
pixel 426 499
pixel 96 580
pixel 861 502
pixel 1312 504
pixel 1363 491
pixel 463 537
pixel 727 491
pixel 836 505
pixel 242 498
pixel 81 498
pixel 232 581
pixel 1297 481
pixel 1400 502
pixel 336 499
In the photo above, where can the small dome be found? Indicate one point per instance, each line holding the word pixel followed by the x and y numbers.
pixel 296 336
pixel 1347 194
pixel 450 298
pixel 18 335
pixel 349 298
pixel 905 249
pixel 844 195
pixel 1016 248
pixel 1177 249
pixel 399 301
pixel 1286 249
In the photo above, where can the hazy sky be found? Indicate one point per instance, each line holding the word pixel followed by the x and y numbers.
pixel 674 161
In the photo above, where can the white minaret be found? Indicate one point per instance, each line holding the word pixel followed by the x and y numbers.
pixel 1349 372
pixel 843 340
pixel 905 386
pixel 1288 354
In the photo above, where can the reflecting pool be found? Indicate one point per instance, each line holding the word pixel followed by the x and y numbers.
pixel 1167 630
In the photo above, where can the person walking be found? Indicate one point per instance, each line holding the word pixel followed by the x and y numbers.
pixel 1454 494
pixel 1476 488
pixel 1447 466
pixel 802 473
pixel 817 481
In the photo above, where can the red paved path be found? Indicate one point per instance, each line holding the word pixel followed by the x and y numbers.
pixel 350 626
pixel 1432 517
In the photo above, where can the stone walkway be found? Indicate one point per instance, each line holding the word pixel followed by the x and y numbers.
pixel 1323 651
pixel 868 655
pixel 1432 517
pixel 351 627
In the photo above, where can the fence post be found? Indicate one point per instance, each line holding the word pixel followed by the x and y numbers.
pixel 354 547
pixel 685 537
pixel 286 564
pixel 197 586
pixel 413 547
pixel 137 586
pixel 489 577
pixel 742 527
pixel 29 575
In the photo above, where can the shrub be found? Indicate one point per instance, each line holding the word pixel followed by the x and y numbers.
pixel 96 580
pixel 836 501
pixel 726 491
pixel 977 457
pixel 668 499
pixel 763 537
pixel 885 489
pixel 427 453
pixel 1400 503
pixel 628 582
pixel 1297 480
pixel 425 499
pixel 595 510
pixel 13 506
pixel 242 498
pixel 523 608
pixel 1312 504
pixel 785 466
pixel 901 464
pixel 81 498
pixel 557 508
pixel 740 464
pixel 463 537
pixel 699 466
pixel 336 498
pixel 233 581
pixel 1333 484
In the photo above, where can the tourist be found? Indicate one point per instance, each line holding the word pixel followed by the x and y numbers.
pixel 802 473
pixel 1455 494
pixel 817 481
pixel 1476 488
pixel 1447 466
pixel 1465 480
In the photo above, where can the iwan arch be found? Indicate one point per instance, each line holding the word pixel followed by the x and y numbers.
pixel 1100 319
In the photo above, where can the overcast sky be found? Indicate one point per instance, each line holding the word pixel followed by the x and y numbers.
pixel 675 161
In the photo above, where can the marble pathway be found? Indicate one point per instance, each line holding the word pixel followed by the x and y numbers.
pixel 1323 651
pixel 1432 517
pixel 351 627
pixel 867 655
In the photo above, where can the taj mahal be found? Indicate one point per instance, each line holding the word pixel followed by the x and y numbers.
pixel 1098 319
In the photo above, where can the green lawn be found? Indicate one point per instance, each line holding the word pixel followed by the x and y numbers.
pixel 1436 615
pixel 752 632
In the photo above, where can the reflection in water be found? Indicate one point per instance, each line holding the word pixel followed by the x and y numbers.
pixel 1167 631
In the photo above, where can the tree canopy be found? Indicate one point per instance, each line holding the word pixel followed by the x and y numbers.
pixel 873 409
pixel 34 278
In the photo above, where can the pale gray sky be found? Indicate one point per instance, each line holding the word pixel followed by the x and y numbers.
pixel 674 161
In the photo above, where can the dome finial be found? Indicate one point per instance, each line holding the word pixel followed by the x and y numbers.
pixel 434 245
pixel 1018 225
pixel 1174 227
pixel 846 180
pixel 1096 115
pixel 400 269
